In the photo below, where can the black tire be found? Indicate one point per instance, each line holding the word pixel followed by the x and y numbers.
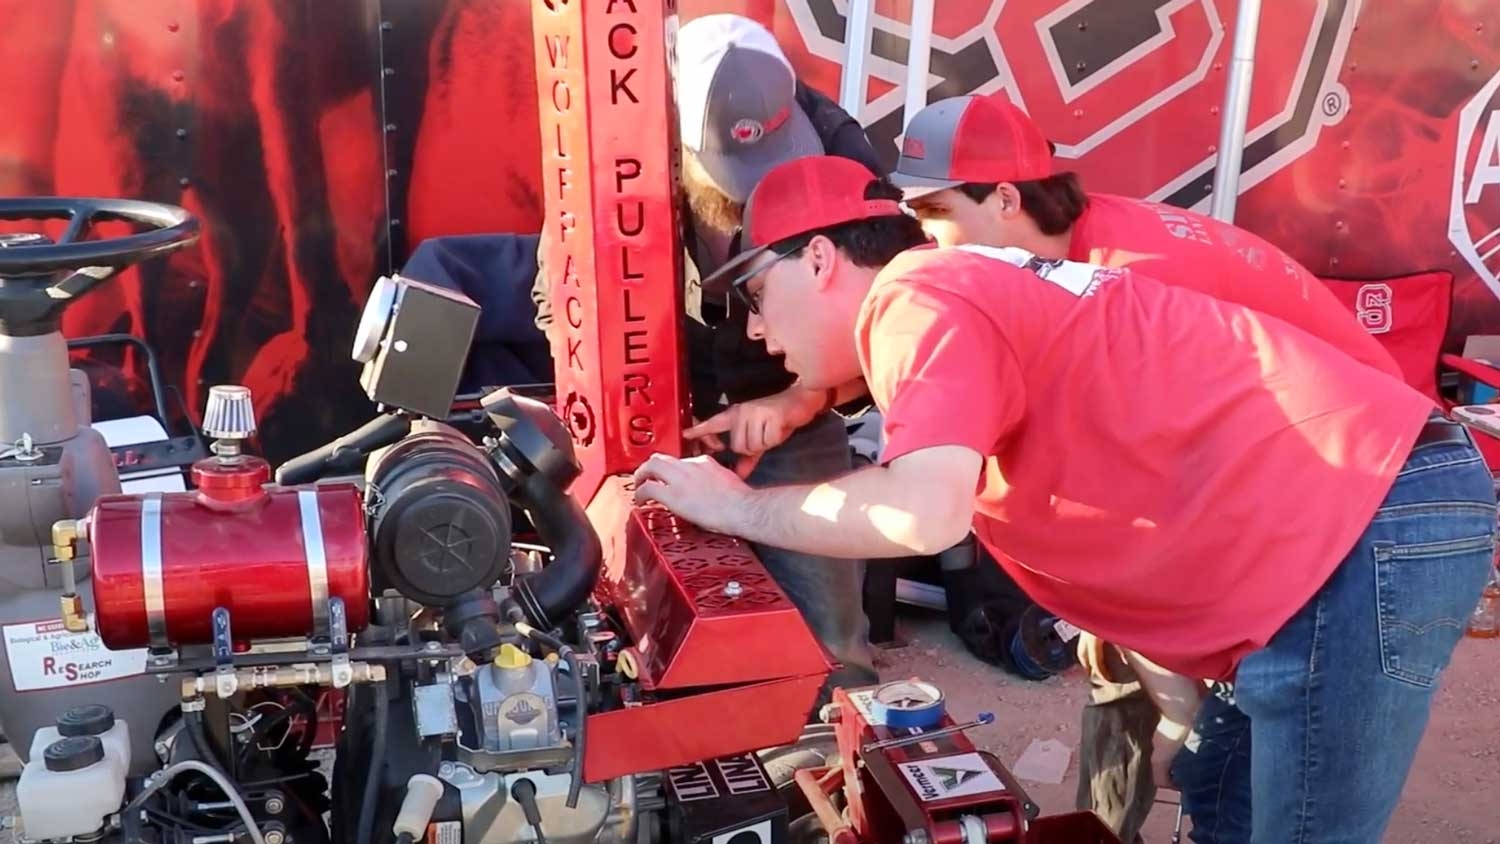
pixel 816 748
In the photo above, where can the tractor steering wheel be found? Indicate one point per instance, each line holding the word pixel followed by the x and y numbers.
pixel 34 308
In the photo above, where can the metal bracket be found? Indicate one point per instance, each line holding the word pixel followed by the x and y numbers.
pixel 338 640
pixel 226 683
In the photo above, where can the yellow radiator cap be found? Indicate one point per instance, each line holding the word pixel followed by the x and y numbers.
pixel 511 656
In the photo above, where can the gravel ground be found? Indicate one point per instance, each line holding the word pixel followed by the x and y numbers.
pixel 1449 798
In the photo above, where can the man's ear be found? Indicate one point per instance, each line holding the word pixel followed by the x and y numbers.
pixel 1008 198
pixel 825 261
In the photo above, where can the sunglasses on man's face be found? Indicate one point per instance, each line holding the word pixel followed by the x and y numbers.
pixel 741 285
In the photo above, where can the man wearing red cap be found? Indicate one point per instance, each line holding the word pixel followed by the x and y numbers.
pixel 977 170
pixel 1198 482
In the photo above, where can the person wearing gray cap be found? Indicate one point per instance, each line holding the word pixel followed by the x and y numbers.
pixel 741 112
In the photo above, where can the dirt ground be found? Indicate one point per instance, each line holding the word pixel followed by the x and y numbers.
pixel 1450 797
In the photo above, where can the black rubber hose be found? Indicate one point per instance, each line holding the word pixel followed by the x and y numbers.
pixel 377 758
pixel 564 527
pixel 198 739
pixel 580 692
pixel 579 732
pixel 345 454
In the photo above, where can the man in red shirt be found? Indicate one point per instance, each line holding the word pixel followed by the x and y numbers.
pixel 1200 483
pixel 977 170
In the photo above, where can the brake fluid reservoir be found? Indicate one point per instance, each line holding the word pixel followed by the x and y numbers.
pixel 95 720
pixel 69 789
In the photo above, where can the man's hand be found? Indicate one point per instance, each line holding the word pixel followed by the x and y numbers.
pixel 697 489
pixel 757 426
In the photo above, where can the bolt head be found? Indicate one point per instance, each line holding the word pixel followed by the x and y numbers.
pixel 275 836
pixel 733 589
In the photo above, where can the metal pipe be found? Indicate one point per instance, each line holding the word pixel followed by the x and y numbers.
pixel 856 53
pixel 816 785
pixel 1236 112
pixel 918 56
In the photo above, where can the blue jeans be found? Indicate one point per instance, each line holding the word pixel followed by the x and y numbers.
pixel 828 592
pixel 1339 698
pixel 1212 772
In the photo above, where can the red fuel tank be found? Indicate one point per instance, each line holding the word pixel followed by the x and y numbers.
pixel 272 556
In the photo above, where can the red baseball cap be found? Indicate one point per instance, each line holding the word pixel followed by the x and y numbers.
pixel 970 139
pixel 801 196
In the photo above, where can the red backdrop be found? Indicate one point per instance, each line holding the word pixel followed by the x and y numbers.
pixel 320 139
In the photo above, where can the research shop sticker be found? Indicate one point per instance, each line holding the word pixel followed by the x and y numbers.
pixel 947 777
pixel 44 655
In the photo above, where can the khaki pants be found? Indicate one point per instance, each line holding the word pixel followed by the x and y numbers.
pixel 1114 755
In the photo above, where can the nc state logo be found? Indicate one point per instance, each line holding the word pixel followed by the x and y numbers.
pixel 1474 216
pixel 1372 305
pixel 748 131
pixel 1147 80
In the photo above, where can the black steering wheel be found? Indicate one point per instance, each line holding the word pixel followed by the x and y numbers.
pixel 33 308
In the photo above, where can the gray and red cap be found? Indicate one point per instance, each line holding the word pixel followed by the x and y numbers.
pixel 973 138
pixel 795 198
pixel 737 102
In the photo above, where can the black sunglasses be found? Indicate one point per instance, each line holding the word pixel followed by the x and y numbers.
pixel 741 285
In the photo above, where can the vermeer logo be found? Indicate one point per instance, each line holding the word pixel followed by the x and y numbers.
pixel 1474 215
pixel 947 777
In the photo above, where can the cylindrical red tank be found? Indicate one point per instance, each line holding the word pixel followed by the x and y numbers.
pixel 163 562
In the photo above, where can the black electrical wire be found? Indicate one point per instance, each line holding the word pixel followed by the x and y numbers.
pixel 524 792
pixel 575 785
pixel 377 758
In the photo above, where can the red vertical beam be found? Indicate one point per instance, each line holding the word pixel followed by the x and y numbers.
pixel 612 245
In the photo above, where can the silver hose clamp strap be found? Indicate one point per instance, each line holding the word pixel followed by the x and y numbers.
pixel 317 559
pixel 151 572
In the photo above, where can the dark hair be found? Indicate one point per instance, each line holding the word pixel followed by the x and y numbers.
pixel 868 243
pixel 1054 203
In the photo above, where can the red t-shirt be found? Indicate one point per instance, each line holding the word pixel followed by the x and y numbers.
pixel 1173 473
pixel 1191 250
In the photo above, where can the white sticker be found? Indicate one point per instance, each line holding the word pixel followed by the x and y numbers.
pixel 1065 630
pixel 759 833
pixel 44 655
pixel 947 777
pixel 445 832
pixel 864 701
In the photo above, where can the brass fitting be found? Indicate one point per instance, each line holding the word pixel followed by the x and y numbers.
pixel 281 676
pixel 65 534
pixel 74 619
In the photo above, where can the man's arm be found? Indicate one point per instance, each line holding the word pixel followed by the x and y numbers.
pixel 759 425
pixel 1178 699
pixel 919 504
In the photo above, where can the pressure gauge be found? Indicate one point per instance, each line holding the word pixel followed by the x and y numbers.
pixel 374 320
pixel 909 703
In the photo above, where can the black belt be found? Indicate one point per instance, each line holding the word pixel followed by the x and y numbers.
pixel 1439 430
